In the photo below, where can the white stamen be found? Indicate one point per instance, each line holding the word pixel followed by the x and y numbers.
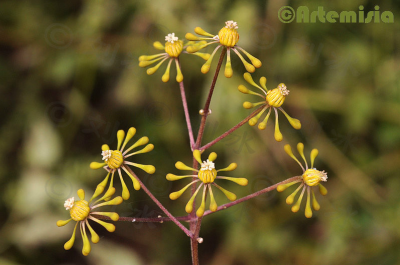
pixel 231 24
pixel 69 203
pixel 171 38
pixel 106 154
pixel 324 176
pixel 283 89
pixel 207 165
pixel 216 37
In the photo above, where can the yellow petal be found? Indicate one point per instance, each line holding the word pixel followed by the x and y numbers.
pixel 294 122
pixel 100 188
pixel 206 66
pixel 96 165
pixel 189 205
pixel 179 75
pixel 148 168
pixel 231 167
pixel 201 209
pixel 212 156
pixel 315 204
pixel 262 125
pixel 165 77
pixel 81 194
pixel 296 207
pixel 179 165
pixel 136 183
pixel 108 226
pixel 158 46
pixel 129 135
pixel 313 155
pixel 263 83
pixel 86 244
pixel 175 195
pixel 213 204
pixel 125 191
pixel 120 137
pixel 323 190
pixel 116 201
pixel 142 141
pixel 240 181
pixel 150 57
pixel 288 151
pixel 231 196
pixel 283 187
pixel 63 222
pixel 202 32
pixel 256 62
pixel 105 147
pixel 68 245
pixel 113 216
pixel 95 237
pixel 204 56
pixel 152 70
pixel 278 135
pixel 300 149
pixel 290 198
pixel 228 67
pixel 172 177
pixel 308 211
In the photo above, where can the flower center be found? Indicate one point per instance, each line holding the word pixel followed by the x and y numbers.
pixel 114 159
pixel 228 35
pixel 312 177
pixel 207 172
pixel 276 96
pixel 80 210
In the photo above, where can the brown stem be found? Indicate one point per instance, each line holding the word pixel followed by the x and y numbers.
pixel 237 126
pixel 181 226
pixel 187 117
pixel 208 101
pixel 248 197
pixel 186 218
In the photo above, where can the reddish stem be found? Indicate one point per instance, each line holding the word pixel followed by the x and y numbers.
pixel 181 226
pixel 237 126
pixel 187 117
pixel 248 197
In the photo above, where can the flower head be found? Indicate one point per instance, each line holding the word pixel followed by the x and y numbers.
pixel 206 176
pixel 311 177
pixel 172 50
pixel 272 100
pixel 82 211
pixel 227 37
pixel 115 160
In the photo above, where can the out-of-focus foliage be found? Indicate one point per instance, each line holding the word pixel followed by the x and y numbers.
pixel 70 79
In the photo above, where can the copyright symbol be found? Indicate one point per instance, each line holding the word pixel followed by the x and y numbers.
pixel 59 114
pixel 286 14
pixel 58 36
pixel 58 188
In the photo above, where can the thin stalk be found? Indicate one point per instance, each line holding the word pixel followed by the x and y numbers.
pixel 181 226
pixel 208 101
pixel 187 117
pixel 237 126
pixel 186 218
pixel 248 197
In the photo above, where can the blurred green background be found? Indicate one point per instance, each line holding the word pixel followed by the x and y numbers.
pixel 70 79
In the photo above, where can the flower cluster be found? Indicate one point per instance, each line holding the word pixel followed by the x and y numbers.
pixel 311 177
pixel 272 99
pixel 207 176
pixel 115 160
pixel 173 48
pixel 82 211
pixel 227 37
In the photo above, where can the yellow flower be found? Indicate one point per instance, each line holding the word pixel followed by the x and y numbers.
pixel 272 99
pixel 173 48
pixel 228 37
pixel 81 211
pixel 115 160
pixel 206 175
pixel 311 177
